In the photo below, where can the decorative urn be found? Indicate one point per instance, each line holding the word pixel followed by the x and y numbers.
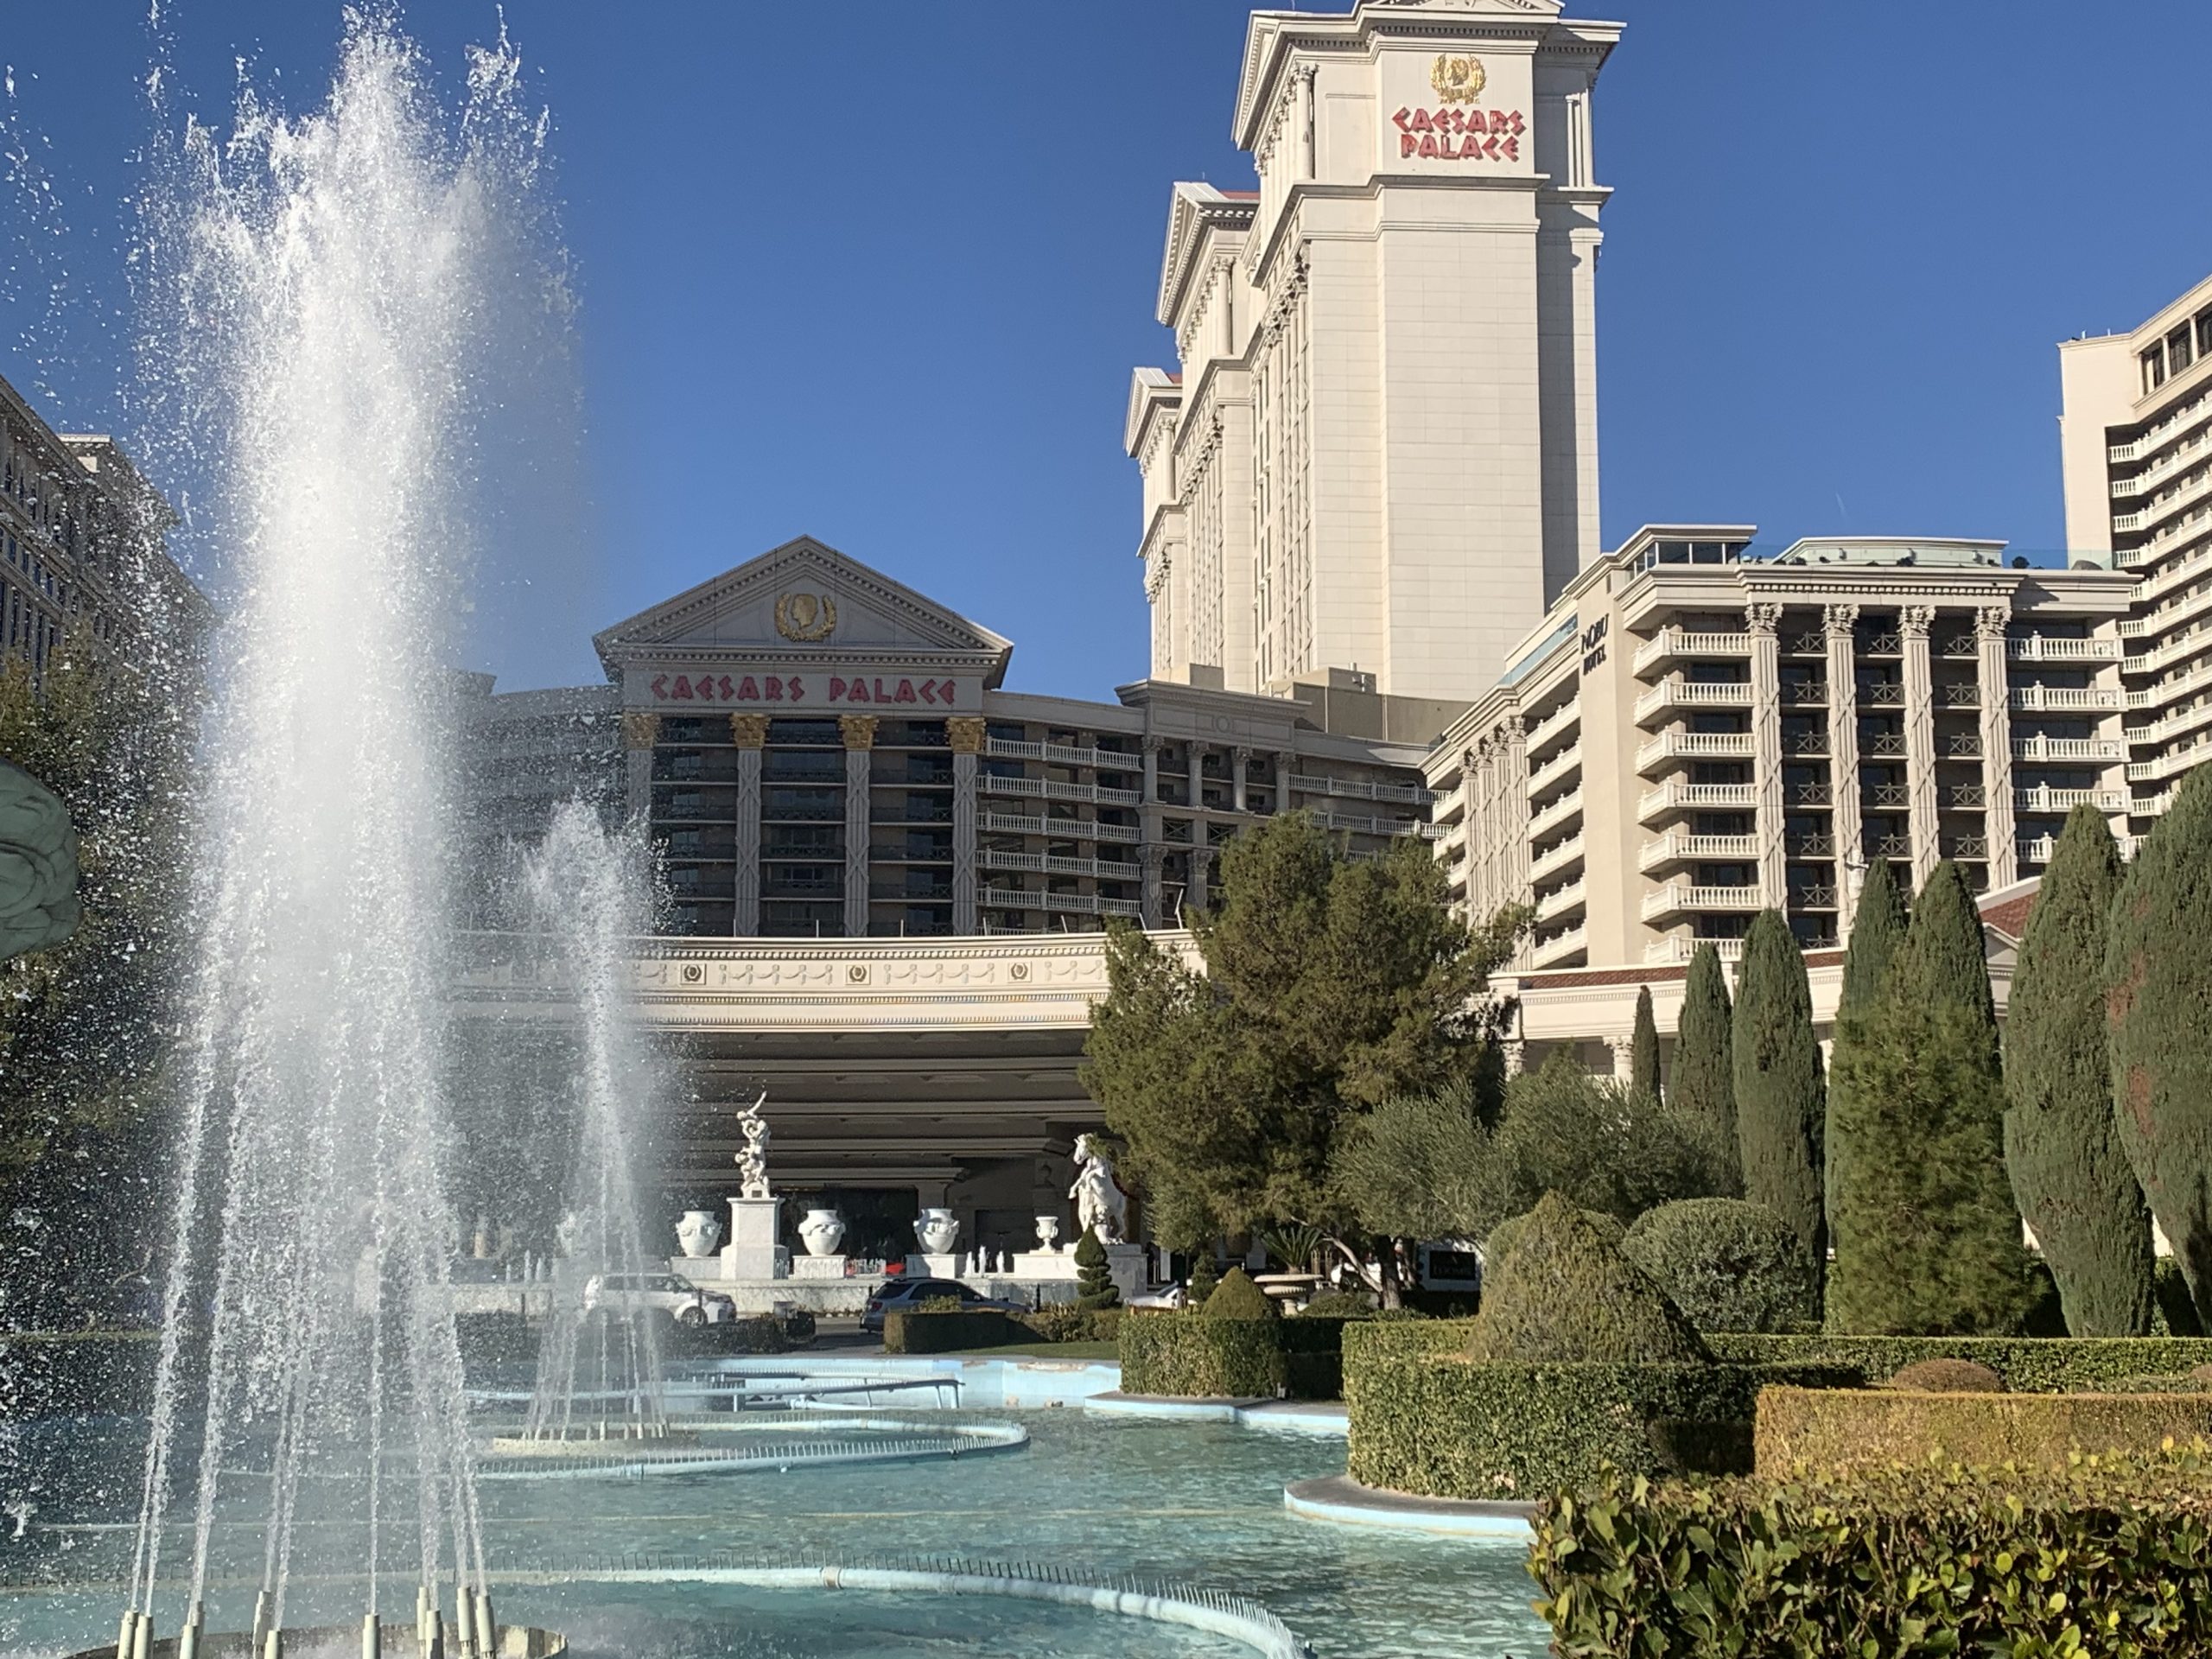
pixel 821 1231
pixel 698 1233
pixel 935 1230
pixel 1048 1230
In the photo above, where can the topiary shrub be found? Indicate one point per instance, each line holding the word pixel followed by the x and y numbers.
pixel 1566 1292
pixel 1730 1265
pixel 1337 1305
pixel 1237 1298
pixel 1503 1236
pixel 1948 1377
pixel 1206 1274
pixel 1094 1279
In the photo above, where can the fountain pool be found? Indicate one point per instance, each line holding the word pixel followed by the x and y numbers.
pixel 1195 1503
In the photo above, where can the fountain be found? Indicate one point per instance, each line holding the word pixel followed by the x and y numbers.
pixel 320 286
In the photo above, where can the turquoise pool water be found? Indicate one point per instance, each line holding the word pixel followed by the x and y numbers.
pixel 1196 1503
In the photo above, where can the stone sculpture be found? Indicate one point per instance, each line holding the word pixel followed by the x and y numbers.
pixel 821 1231
pixel 698 1233
pixel 936 1228
pixel 38 865
pixel 1101 1207
pixel 753 1157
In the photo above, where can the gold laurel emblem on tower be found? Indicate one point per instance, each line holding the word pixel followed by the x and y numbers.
pixel 805 618
pixel 1458 80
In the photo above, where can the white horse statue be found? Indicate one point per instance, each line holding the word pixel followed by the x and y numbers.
pixel 1100 1205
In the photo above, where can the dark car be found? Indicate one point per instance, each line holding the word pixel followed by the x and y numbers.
pixel 902 1294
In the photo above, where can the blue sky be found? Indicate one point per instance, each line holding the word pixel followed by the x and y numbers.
pixel 877 272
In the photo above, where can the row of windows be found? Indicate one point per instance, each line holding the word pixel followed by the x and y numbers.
pixel 2186 343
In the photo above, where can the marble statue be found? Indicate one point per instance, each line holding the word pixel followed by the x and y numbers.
pixel 1100 1205
pixel 752 1158
pixel 38 865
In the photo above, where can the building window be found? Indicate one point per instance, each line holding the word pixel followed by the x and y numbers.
pixel 2177 355
pixel 2154 368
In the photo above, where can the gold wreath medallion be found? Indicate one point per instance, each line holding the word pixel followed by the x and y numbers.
pixel 1458 80
pixel 805 618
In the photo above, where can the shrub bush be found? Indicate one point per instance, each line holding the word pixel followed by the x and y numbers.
pixel 2107 1557
pixel 1203 1354
pixel 1827 1430
pixel 1237 1298
pixel 1503 1236
pixel 929 1331
pixel 2028 1365
pixel 1565 1293
pixel 1337 1305
pixel 1728 1264
pixel 1094 1278
pixel 1948 1377
pixel 2198 1380
pixel 1448 1427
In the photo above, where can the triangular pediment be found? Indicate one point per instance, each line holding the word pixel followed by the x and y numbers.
pixel 804 597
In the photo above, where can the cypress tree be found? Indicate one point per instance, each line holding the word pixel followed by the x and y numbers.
pixel 1705 1089
pixel 2157 963
pixel 2062 1142
pixel 1877 930
pixel 1781 1101
pixel 1644 1052
pixel 1927 1239
pixel 1094 1279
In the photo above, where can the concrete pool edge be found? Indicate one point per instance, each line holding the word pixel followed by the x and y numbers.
pixel 1322 1417
pixel 1341 1499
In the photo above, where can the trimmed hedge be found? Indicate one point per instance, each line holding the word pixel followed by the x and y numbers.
pixel 2028 1365
pixel 1368 1341
pixel 2110 1557
pixel 1835 1429
pixel 1446 1426
pixel 925 1330
pixel 1197 1355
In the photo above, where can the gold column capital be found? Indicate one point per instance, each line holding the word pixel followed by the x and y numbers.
pixel 859 730
pixel 640 729
pixel 964 733
pixel 749 731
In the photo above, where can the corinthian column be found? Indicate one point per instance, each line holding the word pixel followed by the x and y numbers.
pixel 1766 750
pixel 1843 761
pixel 750 733
pixel 641 730
pixel 963 735
pixel 1996 744
pixel 860 745
pixel 1913 623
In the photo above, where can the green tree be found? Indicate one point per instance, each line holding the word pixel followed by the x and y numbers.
pixel 1781 1100
pixel 1417 1166
pixel 1325 986
pixel 2061 1138
pixel 86 1025
pixel 1643 1050
pixel 1927 1239
pixel 2157 963
pixel 1603 1148
pixel 1877 930
pixel 1704 1088
pixel 1094 1279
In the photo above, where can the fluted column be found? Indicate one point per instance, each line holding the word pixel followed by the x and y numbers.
pixel 1843 762
pixel 1479 852
pixel 1201 884
pixel 1148 890
pixel 1151 746
pixel 1766 750
pixel 1623 1049
pixel 963 736
pixel 1239 761
pixel 1282 782
pixel 1512 829
pixel 641 730
pixel 1913 623
pixel 750 733
pixel 860 744
pixel 1996 744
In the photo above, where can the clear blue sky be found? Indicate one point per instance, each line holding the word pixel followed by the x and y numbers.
pixel 879 271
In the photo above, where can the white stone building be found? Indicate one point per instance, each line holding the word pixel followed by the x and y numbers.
pixel 1378 452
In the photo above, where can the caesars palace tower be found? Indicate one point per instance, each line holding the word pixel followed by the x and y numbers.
pixel 1379 453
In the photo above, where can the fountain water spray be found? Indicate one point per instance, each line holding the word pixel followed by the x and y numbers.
pixel 325 294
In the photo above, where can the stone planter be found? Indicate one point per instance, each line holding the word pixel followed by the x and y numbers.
pixel 1048 1229
pixel 935 1230
pixel 698 1233
pixel 821 1231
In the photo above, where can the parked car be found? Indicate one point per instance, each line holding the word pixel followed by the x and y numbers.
pixel 668 1293
pixel 899 1296
pixel 1173 1296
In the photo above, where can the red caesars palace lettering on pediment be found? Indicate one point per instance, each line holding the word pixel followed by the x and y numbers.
pixel 803 687
pixel 1457 135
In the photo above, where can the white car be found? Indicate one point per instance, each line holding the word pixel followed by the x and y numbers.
pixel 668 1293
pixel 1173 1296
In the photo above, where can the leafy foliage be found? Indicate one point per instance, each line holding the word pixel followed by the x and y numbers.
pixel 1927 1238
pixel 1842 1428
pixel 2105 1556
pixel 1327 987
pixel 1206 1274
pixel 2062 1143
pixel 1504 1237
pixel 1703 1091
pixel 1417 1166
pixel 1781 1098
pixel 1565 1131
pixel 1877 928
pixel 1948 1377
pixel 1237 1298
pixel 1729 1265
pixel 1094 1278
pixel 2158 1027
pixel 1643 1050
pixel 1566 1292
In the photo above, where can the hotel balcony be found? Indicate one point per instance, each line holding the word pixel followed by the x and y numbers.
pixel 1679 898
pixel 1553 951
pixel 1671 695
pixel 1670 643
pixel 1005 824
pixel 2183 758
pixel 1060 754
pixel 1360 788
pixel 2044 799
pixel 1053 789
pixel 2038 849
pixel 1669 747
pixel 1075 904
pixel 1555 816
pixel 1678 847
pixel 2062 749
pixel 1105 869
pixel 1672 797
pixel 1565 901
pixel 1555 860
pixel 1359 825
pixel 2052 648
pixel 1548 730
pixel 1554 770
pixel 2068 699
pixel 1679 947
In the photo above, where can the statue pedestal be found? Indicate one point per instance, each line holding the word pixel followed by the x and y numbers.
pixel 818 1267
pixel 753 1252
pixel 1126 1264
pixel 930 1264
pixel 1045 1264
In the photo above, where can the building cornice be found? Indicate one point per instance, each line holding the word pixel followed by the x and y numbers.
pixel 1197 213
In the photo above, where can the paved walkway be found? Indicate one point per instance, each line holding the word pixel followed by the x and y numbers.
pixel 1340 1499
